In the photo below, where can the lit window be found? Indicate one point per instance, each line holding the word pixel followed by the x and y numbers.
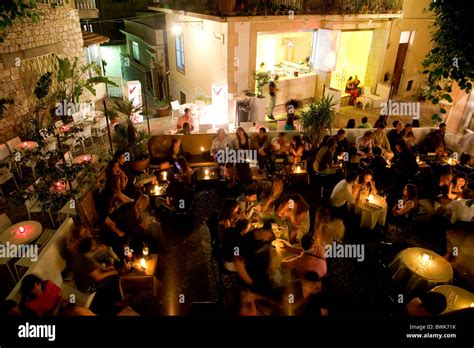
pixel 135 51
pixel 180 53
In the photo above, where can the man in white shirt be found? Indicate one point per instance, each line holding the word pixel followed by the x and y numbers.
pixel 461 210
pixel 220 142
pixel 364 144
pixel 186 118
pixel 345 192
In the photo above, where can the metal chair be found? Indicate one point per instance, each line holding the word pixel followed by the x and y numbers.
pixel 34 206
pixel 5 176
pixel 26 262
pixel 5 222
pixel 98 128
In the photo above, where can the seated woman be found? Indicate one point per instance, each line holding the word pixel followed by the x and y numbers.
pixel 229 214
pixel 351 88
pixel 296 213
pixel 296 149
pixel 185 171
pixel 99 252
pixel 276 197
pixel 457 186
pixel 44 298
pixel 114 185
pixel 367 185
pixel 351 123
pixel 408 205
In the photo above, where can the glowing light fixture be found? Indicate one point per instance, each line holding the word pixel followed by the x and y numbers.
pixel 177 29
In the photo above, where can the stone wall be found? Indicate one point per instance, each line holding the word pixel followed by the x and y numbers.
pixel 27 52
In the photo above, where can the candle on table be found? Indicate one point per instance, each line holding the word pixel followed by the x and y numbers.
pixel 371 198
pixel 157 189
pixel 206 172
pixel 298 169
pixel 21 229
pixel 143 263
pixel 165 175
pixel 145 251
pixel 450 161
pixel 202 148
pixel 472 304
pixel 425 258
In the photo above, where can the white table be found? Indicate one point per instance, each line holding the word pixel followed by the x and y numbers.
pixel 373 212
pixel 33 230
pixel 27 145
pixel 457 298
pixel 420 269
pixel 85 158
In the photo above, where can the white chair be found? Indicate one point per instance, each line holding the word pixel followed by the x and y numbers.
pixel 5 222
pixel 34 206
pixel 98 128
pixel 78 118
pixel 87 134
pixel 68 157
pixel 5 176
pixel 26 262
pixel 67 210
pixel 375 100
pixel 4 261
pixel 175 112
pixel 13 144
pixel 74 141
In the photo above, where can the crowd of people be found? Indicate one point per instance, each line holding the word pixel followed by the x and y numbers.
pixel 273 235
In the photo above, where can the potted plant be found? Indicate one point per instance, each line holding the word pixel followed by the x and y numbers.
pixel 129 139
pixel 163 107
pixel 259 103
pixel 318 119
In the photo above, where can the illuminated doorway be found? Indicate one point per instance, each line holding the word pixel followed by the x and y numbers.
pixel 352 58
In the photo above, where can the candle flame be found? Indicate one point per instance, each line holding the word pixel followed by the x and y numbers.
pixel 206 172
pixel 425 257
pixel 143 263
pixel 22 229
pixel 371 198
pixel 202 148
pixel 298 169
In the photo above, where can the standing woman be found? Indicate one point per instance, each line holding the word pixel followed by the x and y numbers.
pixel 242 142
pixel 296 149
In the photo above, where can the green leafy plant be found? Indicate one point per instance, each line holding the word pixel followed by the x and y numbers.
pixel 450 60
pixel 261 79
pixel 55 186
pixel 317 119
pixel 163 103
pixel 127 137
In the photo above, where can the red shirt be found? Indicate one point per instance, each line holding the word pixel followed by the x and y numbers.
pixel 43 304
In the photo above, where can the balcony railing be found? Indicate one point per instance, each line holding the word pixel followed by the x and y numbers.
pixel 282 7
pixel 52 2
pixel 85 4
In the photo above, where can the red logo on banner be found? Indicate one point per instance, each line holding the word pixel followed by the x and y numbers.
pixel 218 92
pixel 131 91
